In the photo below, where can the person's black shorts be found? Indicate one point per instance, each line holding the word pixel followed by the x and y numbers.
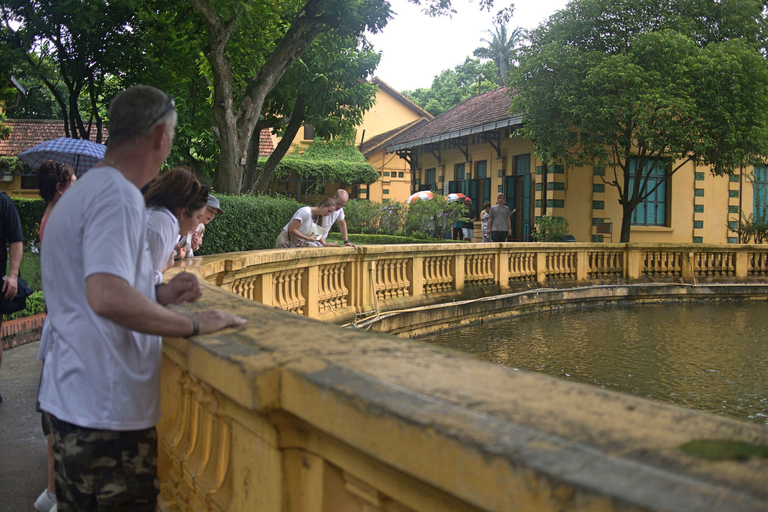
pixel 104 470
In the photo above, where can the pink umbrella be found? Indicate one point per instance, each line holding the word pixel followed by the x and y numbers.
pixel 455 196
pixel 424 195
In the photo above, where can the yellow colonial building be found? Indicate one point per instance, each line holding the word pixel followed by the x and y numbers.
pixel 473 149
pixel 391 115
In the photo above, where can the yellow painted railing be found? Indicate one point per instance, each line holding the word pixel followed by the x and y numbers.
pixel 291 414
pixel 337 284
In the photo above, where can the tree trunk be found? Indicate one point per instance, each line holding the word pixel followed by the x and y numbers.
pixel 237 124
pixel 297 119
pixel 626 223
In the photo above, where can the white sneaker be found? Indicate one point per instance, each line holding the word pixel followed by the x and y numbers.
pixel 44 503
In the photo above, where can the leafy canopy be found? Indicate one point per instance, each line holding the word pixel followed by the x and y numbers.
pixel 618 84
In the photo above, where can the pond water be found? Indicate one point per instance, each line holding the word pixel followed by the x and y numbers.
pixel 709 356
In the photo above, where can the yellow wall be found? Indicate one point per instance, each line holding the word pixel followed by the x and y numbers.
pixel 581 200
pixel 13 189
pixel 395 178
pixel 389 111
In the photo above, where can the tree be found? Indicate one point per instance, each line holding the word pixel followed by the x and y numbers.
pixel 280 33
pixel 639 88
pixel 452 86
pixel 71 43
pixel 325 88
pixel 238 105
pixel 501 48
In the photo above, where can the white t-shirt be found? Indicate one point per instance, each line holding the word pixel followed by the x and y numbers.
pixel 162 234
pixel 304 215
pixel 96 373
pixel 330 219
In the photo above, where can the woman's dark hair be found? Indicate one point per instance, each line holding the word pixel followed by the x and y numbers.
pixel 486 204
pixel 176 189
pixel 50 175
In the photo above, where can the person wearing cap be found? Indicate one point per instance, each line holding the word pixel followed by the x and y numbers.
pixel 468 228
pixel 192 242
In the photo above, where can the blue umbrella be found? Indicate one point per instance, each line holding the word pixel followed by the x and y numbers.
pixel 80 154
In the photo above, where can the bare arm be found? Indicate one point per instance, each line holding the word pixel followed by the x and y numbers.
pixel 293 229
pixel 11 284
pixel 114 299
pixel 344 234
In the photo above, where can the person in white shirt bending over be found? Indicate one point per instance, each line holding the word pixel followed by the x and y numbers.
pixel 305 227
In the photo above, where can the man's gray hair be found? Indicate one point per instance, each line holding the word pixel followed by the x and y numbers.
pixel 135 110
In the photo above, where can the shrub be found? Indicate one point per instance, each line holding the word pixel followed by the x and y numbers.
pixel 433 217
pixel 361 239
pixel 31 212
pixel 249 223
pixel 550 229
pixel 362 216
pixel 35 305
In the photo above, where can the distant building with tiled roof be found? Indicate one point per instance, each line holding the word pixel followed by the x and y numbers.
pixel 26 133
pixel 392 114
pixel 474 149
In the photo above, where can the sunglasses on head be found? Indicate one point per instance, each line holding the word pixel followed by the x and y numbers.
pixel 171 105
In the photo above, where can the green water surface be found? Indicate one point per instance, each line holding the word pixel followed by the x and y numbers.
pixel 708 356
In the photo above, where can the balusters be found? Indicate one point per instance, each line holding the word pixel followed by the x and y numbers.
pixel 392 279
pixel 287 292
pixel 437 274
pixel 333 291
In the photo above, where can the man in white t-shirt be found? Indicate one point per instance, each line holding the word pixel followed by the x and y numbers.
pixel 100 388
pixel 340 198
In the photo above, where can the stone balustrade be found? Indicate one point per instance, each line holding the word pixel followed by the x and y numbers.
pixel 294 414
pixel 335 285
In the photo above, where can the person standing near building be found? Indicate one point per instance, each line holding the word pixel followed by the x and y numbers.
pixel 499 220
pixel 11 235
pixel 100 388
pixel 468 225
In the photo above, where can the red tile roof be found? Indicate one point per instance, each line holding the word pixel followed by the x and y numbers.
pixel 266 147
pixel 26 133
pixel 471 116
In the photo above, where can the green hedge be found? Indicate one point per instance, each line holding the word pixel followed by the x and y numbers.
pixel 367 239
pixel 249 223
pixel 31 212
pixel 324 171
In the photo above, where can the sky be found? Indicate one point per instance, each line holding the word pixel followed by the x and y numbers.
pixel 415 48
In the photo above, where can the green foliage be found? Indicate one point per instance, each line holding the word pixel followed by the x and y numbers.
pixel 31 212
pixel 452 86
pixel 604 83
pixel 12 165
pixel 35 305
pixel 249 223
pixel 363 239
pixel 30 269
pixel 550 229
pixel 72 47
pixel 335 161
pixel 434 217
pixel 501 49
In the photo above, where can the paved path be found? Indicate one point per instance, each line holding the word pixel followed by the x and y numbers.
pixel 22 445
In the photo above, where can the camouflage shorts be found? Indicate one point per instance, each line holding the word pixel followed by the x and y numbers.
pixel 104 470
